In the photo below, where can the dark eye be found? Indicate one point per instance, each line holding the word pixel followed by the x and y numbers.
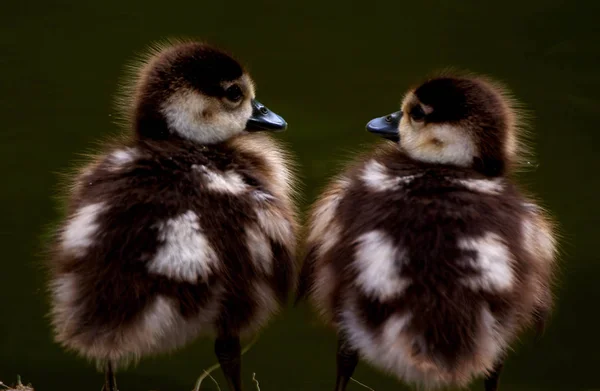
pixel 234 93
pixel 417 113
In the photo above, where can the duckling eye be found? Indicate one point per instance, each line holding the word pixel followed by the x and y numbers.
pixel 234 93
pixel 417 113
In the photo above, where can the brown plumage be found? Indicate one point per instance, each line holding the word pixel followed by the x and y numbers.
pixel 187 228
pixel 423 254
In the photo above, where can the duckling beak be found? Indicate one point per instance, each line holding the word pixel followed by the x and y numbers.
pixel 264 119
pixel 386 127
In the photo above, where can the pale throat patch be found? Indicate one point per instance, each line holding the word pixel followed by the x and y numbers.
pixel 204 119
pixel 437 143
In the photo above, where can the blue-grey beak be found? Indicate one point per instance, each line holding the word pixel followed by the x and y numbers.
pixel 264 119
pixel 387 126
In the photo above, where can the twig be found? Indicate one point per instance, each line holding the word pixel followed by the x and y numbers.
pixel 362 384
pixel 205 375
pixel 255 381
pixel 3 385
pixel 214 380
pixel 207 372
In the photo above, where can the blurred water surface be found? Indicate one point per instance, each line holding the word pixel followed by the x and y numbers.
pixel 327 67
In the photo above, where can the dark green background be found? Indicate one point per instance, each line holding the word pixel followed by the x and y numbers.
pixel 327 67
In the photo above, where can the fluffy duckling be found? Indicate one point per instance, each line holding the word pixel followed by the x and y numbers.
pixel 423 255
pixel 185 229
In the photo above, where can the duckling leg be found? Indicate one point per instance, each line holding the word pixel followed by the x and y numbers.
pixel 110 381
pixel 228 351
pixel 347 359
pixel 492 380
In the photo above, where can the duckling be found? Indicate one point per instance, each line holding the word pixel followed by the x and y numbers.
pixel 184 229
pixel 423 255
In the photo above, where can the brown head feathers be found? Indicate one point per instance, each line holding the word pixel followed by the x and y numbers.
pixel 186 89
pixel 463 120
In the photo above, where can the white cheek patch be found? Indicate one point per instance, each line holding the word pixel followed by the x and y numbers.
pixel 260 250
pixel 487 186
pixel 377 178
pixel 79 233
pixel 492 261
pixel 227 182
pixel 185 253
pixel 378 264
pixel 456 147
pixel 122 157
pixel 184 113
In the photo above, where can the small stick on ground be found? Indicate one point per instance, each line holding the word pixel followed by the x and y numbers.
pixel 255 381
pixel 18 387
pixel 361 384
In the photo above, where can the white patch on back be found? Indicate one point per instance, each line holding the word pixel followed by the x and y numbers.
pixel 185 253
pixel 79 233
pixel 274 224
pixel 376 177
pixel 262 196
pixel 492 261
pixel 378 263
pixel 260 250
pixel 487 186
pixel 227 182
pixel 121 157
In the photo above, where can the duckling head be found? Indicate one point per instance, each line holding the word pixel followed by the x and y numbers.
pixel 196 92
pixel 460 121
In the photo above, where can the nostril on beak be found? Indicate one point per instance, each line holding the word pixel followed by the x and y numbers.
pixel 388 118
pixel 264 110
